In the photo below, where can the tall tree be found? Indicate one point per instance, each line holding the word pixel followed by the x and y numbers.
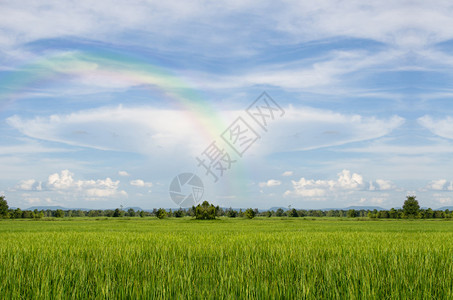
pixel 249 213
pixel 131 212
pixel 59 213
pixel 161 213
pixel 3 207
pixel 293 213
pixel 205 211
pixel 118 213
pixel 411 207
pixel 352 213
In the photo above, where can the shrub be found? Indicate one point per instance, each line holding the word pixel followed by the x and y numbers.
pixel 161 213
pixel 249 213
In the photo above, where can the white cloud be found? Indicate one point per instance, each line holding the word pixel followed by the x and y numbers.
pixel 123 173
pixel 64 182
pixel 154 130
pixel 385 184
pixel 140 183
pixel 312 192
pixel 61 181
pixel 348 181
pixel 288 173
pixel 440 127
pixel 440 185
pixel 156 133
pixel 33 200
pixel 29 147
pixel 373 200
pixel 311 188
pixel 445 200
pixel 270 183
pixel 30 185
pixel 402 23
pixel 307 129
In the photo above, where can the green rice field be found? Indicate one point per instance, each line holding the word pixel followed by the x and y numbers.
pixel 262 258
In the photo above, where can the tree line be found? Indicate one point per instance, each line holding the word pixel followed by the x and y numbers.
pixel 207 211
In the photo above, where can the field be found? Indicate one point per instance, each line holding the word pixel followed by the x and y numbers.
pixel 227 258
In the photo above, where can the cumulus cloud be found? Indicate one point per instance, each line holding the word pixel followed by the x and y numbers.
pixel 123 173
pixel 440 185
pixel 65 182
pixel 373 200
pixel 311 188
pixel 288 173
pixel 345 183
pixel 30 185
pixel 346 180
pixel 270 183
pixel 140 183
pixel 384 185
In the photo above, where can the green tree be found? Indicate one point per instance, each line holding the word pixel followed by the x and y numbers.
pixel 330 213
pixel 393 214
pixel 371 215
pixel 178 213
pixel 3 207
pixel 411 208
pixel 93 213
pixel 279 212
pixel 17 214
pixel 293 213
pixel 131 212
pixel 118 213
pixel 161 213
pixel 142 214
pixel 231 213
pixel 27 214
pixel 383 214
pixel 439 214
pixel 59 213
pixel 249 213
pixel 352 213
pixel 205 211
pixel 269 213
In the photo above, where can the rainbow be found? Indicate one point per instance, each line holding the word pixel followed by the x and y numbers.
pixel 123 68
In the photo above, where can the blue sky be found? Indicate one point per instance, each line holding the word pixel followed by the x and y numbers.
pixel 103 104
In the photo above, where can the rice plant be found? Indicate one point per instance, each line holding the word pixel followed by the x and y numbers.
pixel 260 258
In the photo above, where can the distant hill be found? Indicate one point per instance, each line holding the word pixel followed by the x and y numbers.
pixel 277 207
pixel 136 208
pixel 325 209
pixel 445 207
pixel 364 208
pixel 51 208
